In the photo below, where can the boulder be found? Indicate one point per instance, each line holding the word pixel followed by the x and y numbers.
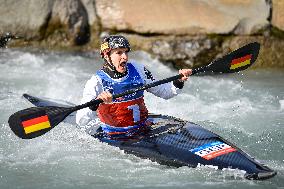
pixel 90 6
pixel 181 52
pixel 69 20
pixel 25 17
pixel 183 17
pixel 186 52
pixel 278 14
pixel 94 22
pixel 195 51
pixel 57 22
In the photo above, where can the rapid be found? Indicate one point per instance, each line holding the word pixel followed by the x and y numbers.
pixel 245 108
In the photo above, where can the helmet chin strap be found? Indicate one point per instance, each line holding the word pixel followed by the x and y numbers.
pixel 110 65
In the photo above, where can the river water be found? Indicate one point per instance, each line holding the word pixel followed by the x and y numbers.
pixel 246 108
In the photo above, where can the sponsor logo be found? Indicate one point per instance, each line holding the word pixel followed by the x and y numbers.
pixel 213 150
pixel 104 46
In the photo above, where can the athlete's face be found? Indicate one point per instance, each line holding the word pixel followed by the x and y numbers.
pixel 119 58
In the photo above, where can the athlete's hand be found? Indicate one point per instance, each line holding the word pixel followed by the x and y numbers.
pixel 186 73
pixel 105 96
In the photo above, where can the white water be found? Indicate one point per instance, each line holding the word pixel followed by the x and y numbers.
pixel 246 108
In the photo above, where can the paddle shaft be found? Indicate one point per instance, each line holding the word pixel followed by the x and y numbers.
pixel 221 65
pixel 218 66
pixel 144 87
pixel 238 58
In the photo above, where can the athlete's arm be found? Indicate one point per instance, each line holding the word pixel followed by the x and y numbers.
pixel 165 91
pixel 92 89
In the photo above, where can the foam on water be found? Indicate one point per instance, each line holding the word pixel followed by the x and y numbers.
pixel 244 108
pixel 281 102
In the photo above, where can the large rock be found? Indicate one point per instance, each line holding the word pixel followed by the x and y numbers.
pixel 196 51
pixel 93 20
pixel 186 51
pixel 58 22
pixel 24 17
pixel 278 14
pixel 166 28
pixel 183 16
pixel 70 20
pixel 181 52
pixel 90 6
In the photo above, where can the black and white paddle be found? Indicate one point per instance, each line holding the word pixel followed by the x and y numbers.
pixel 36 121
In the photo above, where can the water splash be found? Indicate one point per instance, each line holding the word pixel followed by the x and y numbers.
pixel 246 109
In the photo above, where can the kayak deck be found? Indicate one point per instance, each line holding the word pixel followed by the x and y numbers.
pixel 178 143
pixel 172 141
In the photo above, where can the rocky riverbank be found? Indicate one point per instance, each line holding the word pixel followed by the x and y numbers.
pixel 187 33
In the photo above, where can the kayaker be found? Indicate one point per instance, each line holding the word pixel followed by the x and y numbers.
pixel 128 115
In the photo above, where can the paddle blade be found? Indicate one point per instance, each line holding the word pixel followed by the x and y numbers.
pixel 36 121
pixel 235 61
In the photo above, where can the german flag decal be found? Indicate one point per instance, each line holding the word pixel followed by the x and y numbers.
pixel 240 62
pixel 36 124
